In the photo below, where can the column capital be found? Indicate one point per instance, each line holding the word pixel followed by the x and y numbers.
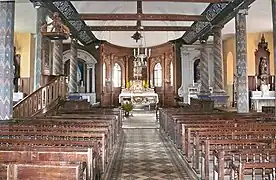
pixel 243 11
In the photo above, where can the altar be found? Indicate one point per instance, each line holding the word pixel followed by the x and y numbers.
pixel 259 99
pixel 139 94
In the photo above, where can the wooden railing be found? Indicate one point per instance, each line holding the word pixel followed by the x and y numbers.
pixel 41 99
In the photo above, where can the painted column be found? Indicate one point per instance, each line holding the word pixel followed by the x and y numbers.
pixel 241 58
pixel 41 19
pixel 88 79
pixel 57 57
pixel 73 85
pixel 218 74
pixel 6 59
pixel 93 79
pixel 274 40
pixel 204 74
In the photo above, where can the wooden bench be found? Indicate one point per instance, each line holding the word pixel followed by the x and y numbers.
pixel 41 170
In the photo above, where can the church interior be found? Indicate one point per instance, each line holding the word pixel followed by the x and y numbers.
pixel 137 89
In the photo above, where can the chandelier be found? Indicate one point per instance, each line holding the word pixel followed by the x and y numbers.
pixel 141 56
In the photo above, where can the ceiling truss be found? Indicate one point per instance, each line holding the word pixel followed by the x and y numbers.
pixel 217 13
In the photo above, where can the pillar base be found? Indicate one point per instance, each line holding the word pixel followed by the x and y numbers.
pixel 220 98
pixel 204 95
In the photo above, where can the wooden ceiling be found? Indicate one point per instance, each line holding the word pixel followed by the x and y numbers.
pixel 218 12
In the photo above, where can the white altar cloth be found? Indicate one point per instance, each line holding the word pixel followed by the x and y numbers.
pixel 139 97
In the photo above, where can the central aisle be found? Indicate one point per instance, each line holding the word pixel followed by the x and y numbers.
pixel 144 154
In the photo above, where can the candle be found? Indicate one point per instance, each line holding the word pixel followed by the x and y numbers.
pixel 138 52
pixel 149 52
pixel 134 52
pixel 146 51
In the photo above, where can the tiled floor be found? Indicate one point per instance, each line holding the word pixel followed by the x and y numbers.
pixel 144 154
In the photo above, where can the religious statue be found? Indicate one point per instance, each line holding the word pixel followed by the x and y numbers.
pixel 263 75
pixel 263 69
pixel 16 70
pixel 57 25
pixel 197 71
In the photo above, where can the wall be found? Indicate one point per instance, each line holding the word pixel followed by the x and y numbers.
pixel 229 57
pixel 24 43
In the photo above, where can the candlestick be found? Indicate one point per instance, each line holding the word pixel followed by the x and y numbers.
pixel 134 52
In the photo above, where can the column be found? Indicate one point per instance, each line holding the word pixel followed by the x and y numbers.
pixel 93 78
pixel 218 74
pixel 241 58
pixel 73 85
pixel 88 79
pixel 41 19
pixel 6 59
pixel 204 74
pixel 57 57
pixel 274 40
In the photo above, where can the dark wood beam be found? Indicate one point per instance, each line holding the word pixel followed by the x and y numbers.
pixel 135 28
pixel 143 17
pixel 191 1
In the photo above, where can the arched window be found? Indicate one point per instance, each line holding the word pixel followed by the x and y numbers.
pixel 157 75
pixel 117 73
pixel 171 73
pixel 104 73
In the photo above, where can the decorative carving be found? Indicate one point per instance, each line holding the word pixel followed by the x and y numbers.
pixel 58 30
pixel 77 25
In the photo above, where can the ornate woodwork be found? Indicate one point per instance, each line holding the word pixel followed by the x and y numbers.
pixel 42 99
pixel 163 54
pixel 58 30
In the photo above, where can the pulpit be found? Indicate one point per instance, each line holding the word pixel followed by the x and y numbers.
pixel 139 94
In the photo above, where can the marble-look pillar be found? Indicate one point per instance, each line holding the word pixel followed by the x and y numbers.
pixel 88 79
pixel 73 85
pixel 218 74
pixel 6 59
pixel 241 58
pixel 274 38
pixel 204 74
pixel 41 19
pixel 57 57
pixel 93 79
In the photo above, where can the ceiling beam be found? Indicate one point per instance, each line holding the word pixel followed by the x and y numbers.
pixel 135 28
pixel 143 17
pixel 191 1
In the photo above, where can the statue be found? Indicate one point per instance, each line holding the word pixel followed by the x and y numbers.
pixel 197 71
pixel 263 69
pixel 57 25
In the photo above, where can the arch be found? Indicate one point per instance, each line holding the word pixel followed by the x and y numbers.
pixel 81 54
pixel 171 73
pixel 157 75
pixel 117 75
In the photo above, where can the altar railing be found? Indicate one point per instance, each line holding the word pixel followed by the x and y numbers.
pixel 40 100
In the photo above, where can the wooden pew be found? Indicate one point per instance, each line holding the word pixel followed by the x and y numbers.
pixel 87 157
pixel 240 171
pixel 223 159
pixel 41 170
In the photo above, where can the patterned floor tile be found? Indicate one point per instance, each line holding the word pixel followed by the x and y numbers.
pixel 144 155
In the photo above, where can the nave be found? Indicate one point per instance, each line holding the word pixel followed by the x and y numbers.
pixel 144 153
